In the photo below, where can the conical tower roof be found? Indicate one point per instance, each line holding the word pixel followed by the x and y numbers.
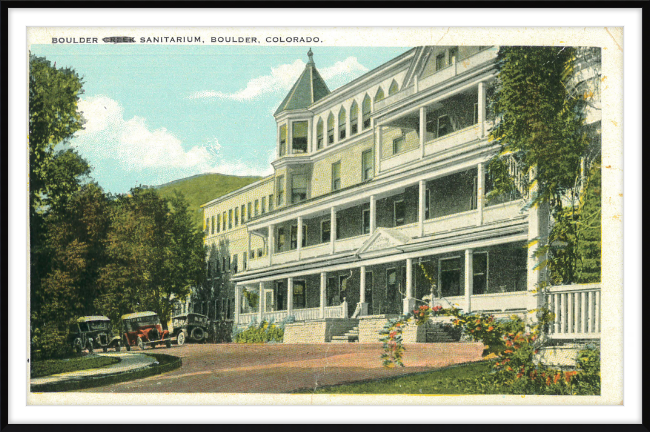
pixel 309 88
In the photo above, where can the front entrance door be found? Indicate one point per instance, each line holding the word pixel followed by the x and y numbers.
pixel 368 289
pixel 394 285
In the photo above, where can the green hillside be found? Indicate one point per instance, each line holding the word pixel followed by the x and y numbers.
pixel 200 189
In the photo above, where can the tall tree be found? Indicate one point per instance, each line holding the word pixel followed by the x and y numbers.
pixel 155 255
pixel 541 108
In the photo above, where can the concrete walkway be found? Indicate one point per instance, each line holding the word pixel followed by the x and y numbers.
pixel 128 362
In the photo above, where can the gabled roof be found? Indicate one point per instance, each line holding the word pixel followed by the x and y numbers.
pixel 309 88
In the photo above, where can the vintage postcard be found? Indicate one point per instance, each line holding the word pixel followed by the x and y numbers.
pixel 325 215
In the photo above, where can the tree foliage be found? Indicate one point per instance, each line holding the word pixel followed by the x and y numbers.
pixel 155 254
pixel 540 107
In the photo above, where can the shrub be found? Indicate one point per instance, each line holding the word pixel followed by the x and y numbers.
pixel 49 342
pixel 262 333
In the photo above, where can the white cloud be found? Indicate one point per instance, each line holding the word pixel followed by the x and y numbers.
pixel 284 76
pixel 107 135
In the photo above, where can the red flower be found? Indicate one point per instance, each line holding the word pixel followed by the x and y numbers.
pixel 548 381
pixel 508 352
pixel 490 328
pixel 557 377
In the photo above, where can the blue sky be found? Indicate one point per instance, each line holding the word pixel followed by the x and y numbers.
pixel 160 113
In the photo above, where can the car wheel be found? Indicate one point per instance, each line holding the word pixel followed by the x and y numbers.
pixel 168 343
pixel 91 349
pixel 140 343
pixel 197 334
pixel 105 349
pixel 118 347
pixel 180 340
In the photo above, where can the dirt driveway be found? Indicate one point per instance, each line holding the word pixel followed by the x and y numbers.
pixel 279 368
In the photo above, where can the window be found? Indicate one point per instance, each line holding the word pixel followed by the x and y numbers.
pixel 252 253
pixel 283 140
pixel 480 270
pixel 206 227
pixel 342 124
pixel 280 290
pixel 379 95
pixel 330 129
pixel 365 217
pixel 325 229
pixel 228 263
pixel 236 216
pixel 280 189
pixel 230 219
pixel 281 239
pixel 427 203
pixel 294 236
pixel 298 188
pixel 234 263
pixel 475 113
pixel 219 222
pixel 453 55
pixel 398 213
pixel 398 144
pixel 440 61
pixel 444 125
pixel 354 119
pixel 243 261
pixel 263 205
pixel 225 221
pixel 394 88
pixel 365 113
pixel 223 265
pixel 299 294
pixel 450 276
pixel 257 207
pixel 212 232
pixel 336 175
pixel 248 212
pixel 319 134
pixel 260 252
pixel 299 136
pixel 271 202
pixel 367 165
pixel 243 212
pixel 368 289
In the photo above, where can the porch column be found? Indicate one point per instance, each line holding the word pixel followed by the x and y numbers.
pixel 423 129
pixel 363 306
pixel 289 296
pixel 538 219
pixel 373 214
pixel 469 279
pixel 299 245
pixel 378 142
pixel 323 288
pixel 422 205
pixel 261 303
pixel 271 243
pixel 409 301
pixel 237 303
pixel 480 193
pixel 333 228
pixel 481 109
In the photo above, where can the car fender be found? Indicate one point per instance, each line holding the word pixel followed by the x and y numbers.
pixel 115 340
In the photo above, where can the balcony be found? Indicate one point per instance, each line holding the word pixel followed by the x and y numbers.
pixel 442 75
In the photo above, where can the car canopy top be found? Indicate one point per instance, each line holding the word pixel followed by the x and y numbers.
pixel 92 318
pixel 138 315
pixel 189 314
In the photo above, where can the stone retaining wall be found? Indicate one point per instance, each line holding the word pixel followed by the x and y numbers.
pixel 317 331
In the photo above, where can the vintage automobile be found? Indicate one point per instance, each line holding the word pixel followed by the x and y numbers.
pixel 190 327
pixel 142 329
pixel 93 332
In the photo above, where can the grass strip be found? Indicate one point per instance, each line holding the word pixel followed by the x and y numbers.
pixel 166 363
pixel 57 366
pixel 455 379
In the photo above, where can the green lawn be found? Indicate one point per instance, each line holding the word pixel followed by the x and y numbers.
pixel 51 367
pixel 444 381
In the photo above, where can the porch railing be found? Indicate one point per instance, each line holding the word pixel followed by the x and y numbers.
pixel 577 311
pixel 339 311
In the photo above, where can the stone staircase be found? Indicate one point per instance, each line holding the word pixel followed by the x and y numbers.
pixel 351 335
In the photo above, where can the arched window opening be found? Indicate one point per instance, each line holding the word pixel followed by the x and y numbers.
pixel 380 95
pixel 319 134
pixel 330 129
pixel 394 88
pixel 342 121
pixel 365 108
pixel 354 118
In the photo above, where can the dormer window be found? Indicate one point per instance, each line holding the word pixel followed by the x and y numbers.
pixel 319 135
pixel 330 129
pixel 354 119
pixel 365 108
pixel 283 140
pixel 394 88
pixel 379 95
pixel 342 124
pixel 299 137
